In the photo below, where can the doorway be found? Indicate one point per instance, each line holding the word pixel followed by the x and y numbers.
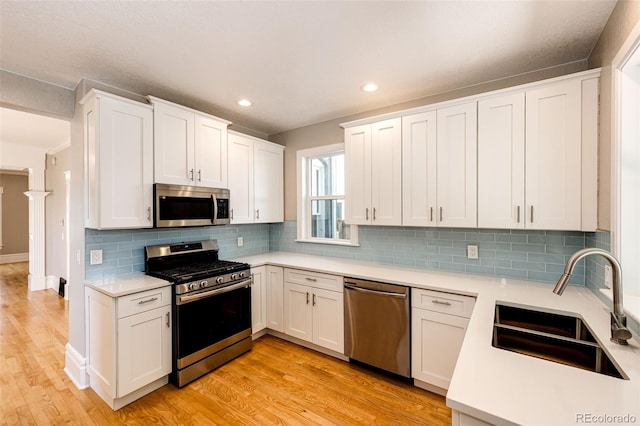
pixel 25 141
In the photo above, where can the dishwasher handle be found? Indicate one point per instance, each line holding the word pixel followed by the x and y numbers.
pixel 381 293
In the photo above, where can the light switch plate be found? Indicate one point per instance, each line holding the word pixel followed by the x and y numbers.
pixel 240 241
pixel 472 251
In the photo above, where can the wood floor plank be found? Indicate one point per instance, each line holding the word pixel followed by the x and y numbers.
pixel 276 383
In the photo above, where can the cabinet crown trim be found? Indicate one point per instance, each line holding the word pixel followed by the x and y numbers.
pixel 583 75
pixel 97 94
pixel 244 135
pixel 155 100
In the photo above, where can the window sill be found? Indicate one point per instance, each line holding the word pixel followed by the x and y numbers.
pixel 328 242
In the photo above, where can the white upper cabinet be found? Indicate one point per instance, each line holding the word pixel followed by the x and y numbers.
pixel 118 138
pixel 501 162
pixel 268 182
pixel 554 156
pixel 537 157
pixel 457 165
pixel 419 169
pixel 373 164
pixel 210 153
pixel 439 167
pixel 190 148
pixel 256 180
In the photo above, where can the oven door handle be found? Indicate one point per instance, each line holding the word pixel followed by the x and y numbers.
pixel 181 300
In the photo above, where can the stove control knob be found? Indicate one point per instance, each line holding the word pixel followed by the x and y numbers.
pixel 203 284
pixel 234 276
pixel 242 274
pixel 219 280
pixel 193 286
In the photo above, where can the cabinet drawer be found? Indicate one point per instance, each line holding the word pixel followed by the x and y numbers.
pixel 143 301
pixel 314 279
pixel 448 303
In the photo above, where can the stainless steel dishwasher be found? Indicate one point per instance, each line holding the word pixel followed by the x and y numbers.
pixel 377 328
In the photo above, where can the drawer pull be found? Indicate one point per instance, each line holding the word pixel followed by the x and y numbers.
pixel 168 320
pixel 438 302
pixel 142 302
pixel 311 279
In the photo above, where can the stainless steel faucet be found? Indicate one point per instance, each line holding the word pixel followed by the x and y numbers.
pixel 619 331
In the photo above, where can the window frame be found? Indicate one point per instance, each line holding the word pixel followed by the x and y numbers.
pixel 304 209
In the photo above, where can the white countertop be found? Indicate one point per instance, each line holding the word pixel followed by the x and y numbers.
pixel 499 386
pixel 121 285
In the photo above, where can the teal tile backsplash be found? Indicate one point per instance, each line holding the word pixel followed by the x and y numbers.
pixel 530 255
pixel 123 250
pixel 523 254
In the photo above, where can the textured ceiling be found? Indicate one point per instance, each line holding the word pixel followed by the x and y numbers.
pixel 300 62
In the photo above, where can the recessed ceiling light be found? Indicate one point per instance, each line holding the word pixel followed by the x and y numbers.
pixel 244 102
pixel 369 87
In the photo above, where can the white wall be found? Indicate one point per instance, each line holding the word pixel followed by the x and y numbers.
pixel 56 224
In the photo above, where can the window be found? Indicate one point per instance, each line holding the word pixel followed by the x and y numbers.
pixel 321 197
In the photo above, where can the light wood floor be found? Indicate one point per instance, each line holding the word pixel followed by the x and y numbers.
pixel 277 383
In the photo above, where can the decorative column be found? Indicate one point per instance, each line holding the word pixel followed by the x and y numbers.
pixel 36 194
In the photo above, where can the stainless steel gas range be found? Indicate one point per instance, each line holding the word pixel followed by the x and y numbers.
pixel 211 306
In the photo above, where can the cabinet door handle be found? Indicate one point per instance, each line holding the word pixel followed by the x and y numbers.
pixel 518 214
pixel 257 213
pixel 440 214
pixel 374 213
pixel 307 298
pixel 311 279
pixel 148 214
pixel 438 302
pixel 142 302
pixel 366 213
pixel 314 299
pixel 430 214
pixel 231 214
pixel 168 319
pixel 199 175
pixel 191 174
pixel 532 214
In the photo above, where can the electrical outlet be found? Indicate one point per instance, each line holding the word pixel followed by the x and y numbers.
pixel 607 276
pixel 240 241
pixel 472 251
pixel 95 257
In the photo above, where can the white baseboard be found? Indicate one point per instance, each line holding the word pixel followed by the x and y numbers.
pixel 52 282
pixel 76 367
pixel 13 258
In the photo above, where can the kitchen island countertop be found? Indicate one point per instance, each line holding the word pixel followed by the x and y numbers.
pixel 502 387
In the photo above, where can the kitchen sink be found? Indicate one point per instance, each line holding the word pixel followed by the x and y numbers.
pixel 554 337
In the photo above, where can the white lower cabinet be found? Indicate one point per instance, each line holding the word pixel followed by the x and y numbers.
pixel 275 298
pixel 267 298
pixel 258 299
pixel 314 308
pixel 438 324
pixel 128 344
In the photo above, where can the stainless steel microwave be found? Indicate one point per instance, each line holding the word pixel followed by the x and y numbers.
pixel 178 206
